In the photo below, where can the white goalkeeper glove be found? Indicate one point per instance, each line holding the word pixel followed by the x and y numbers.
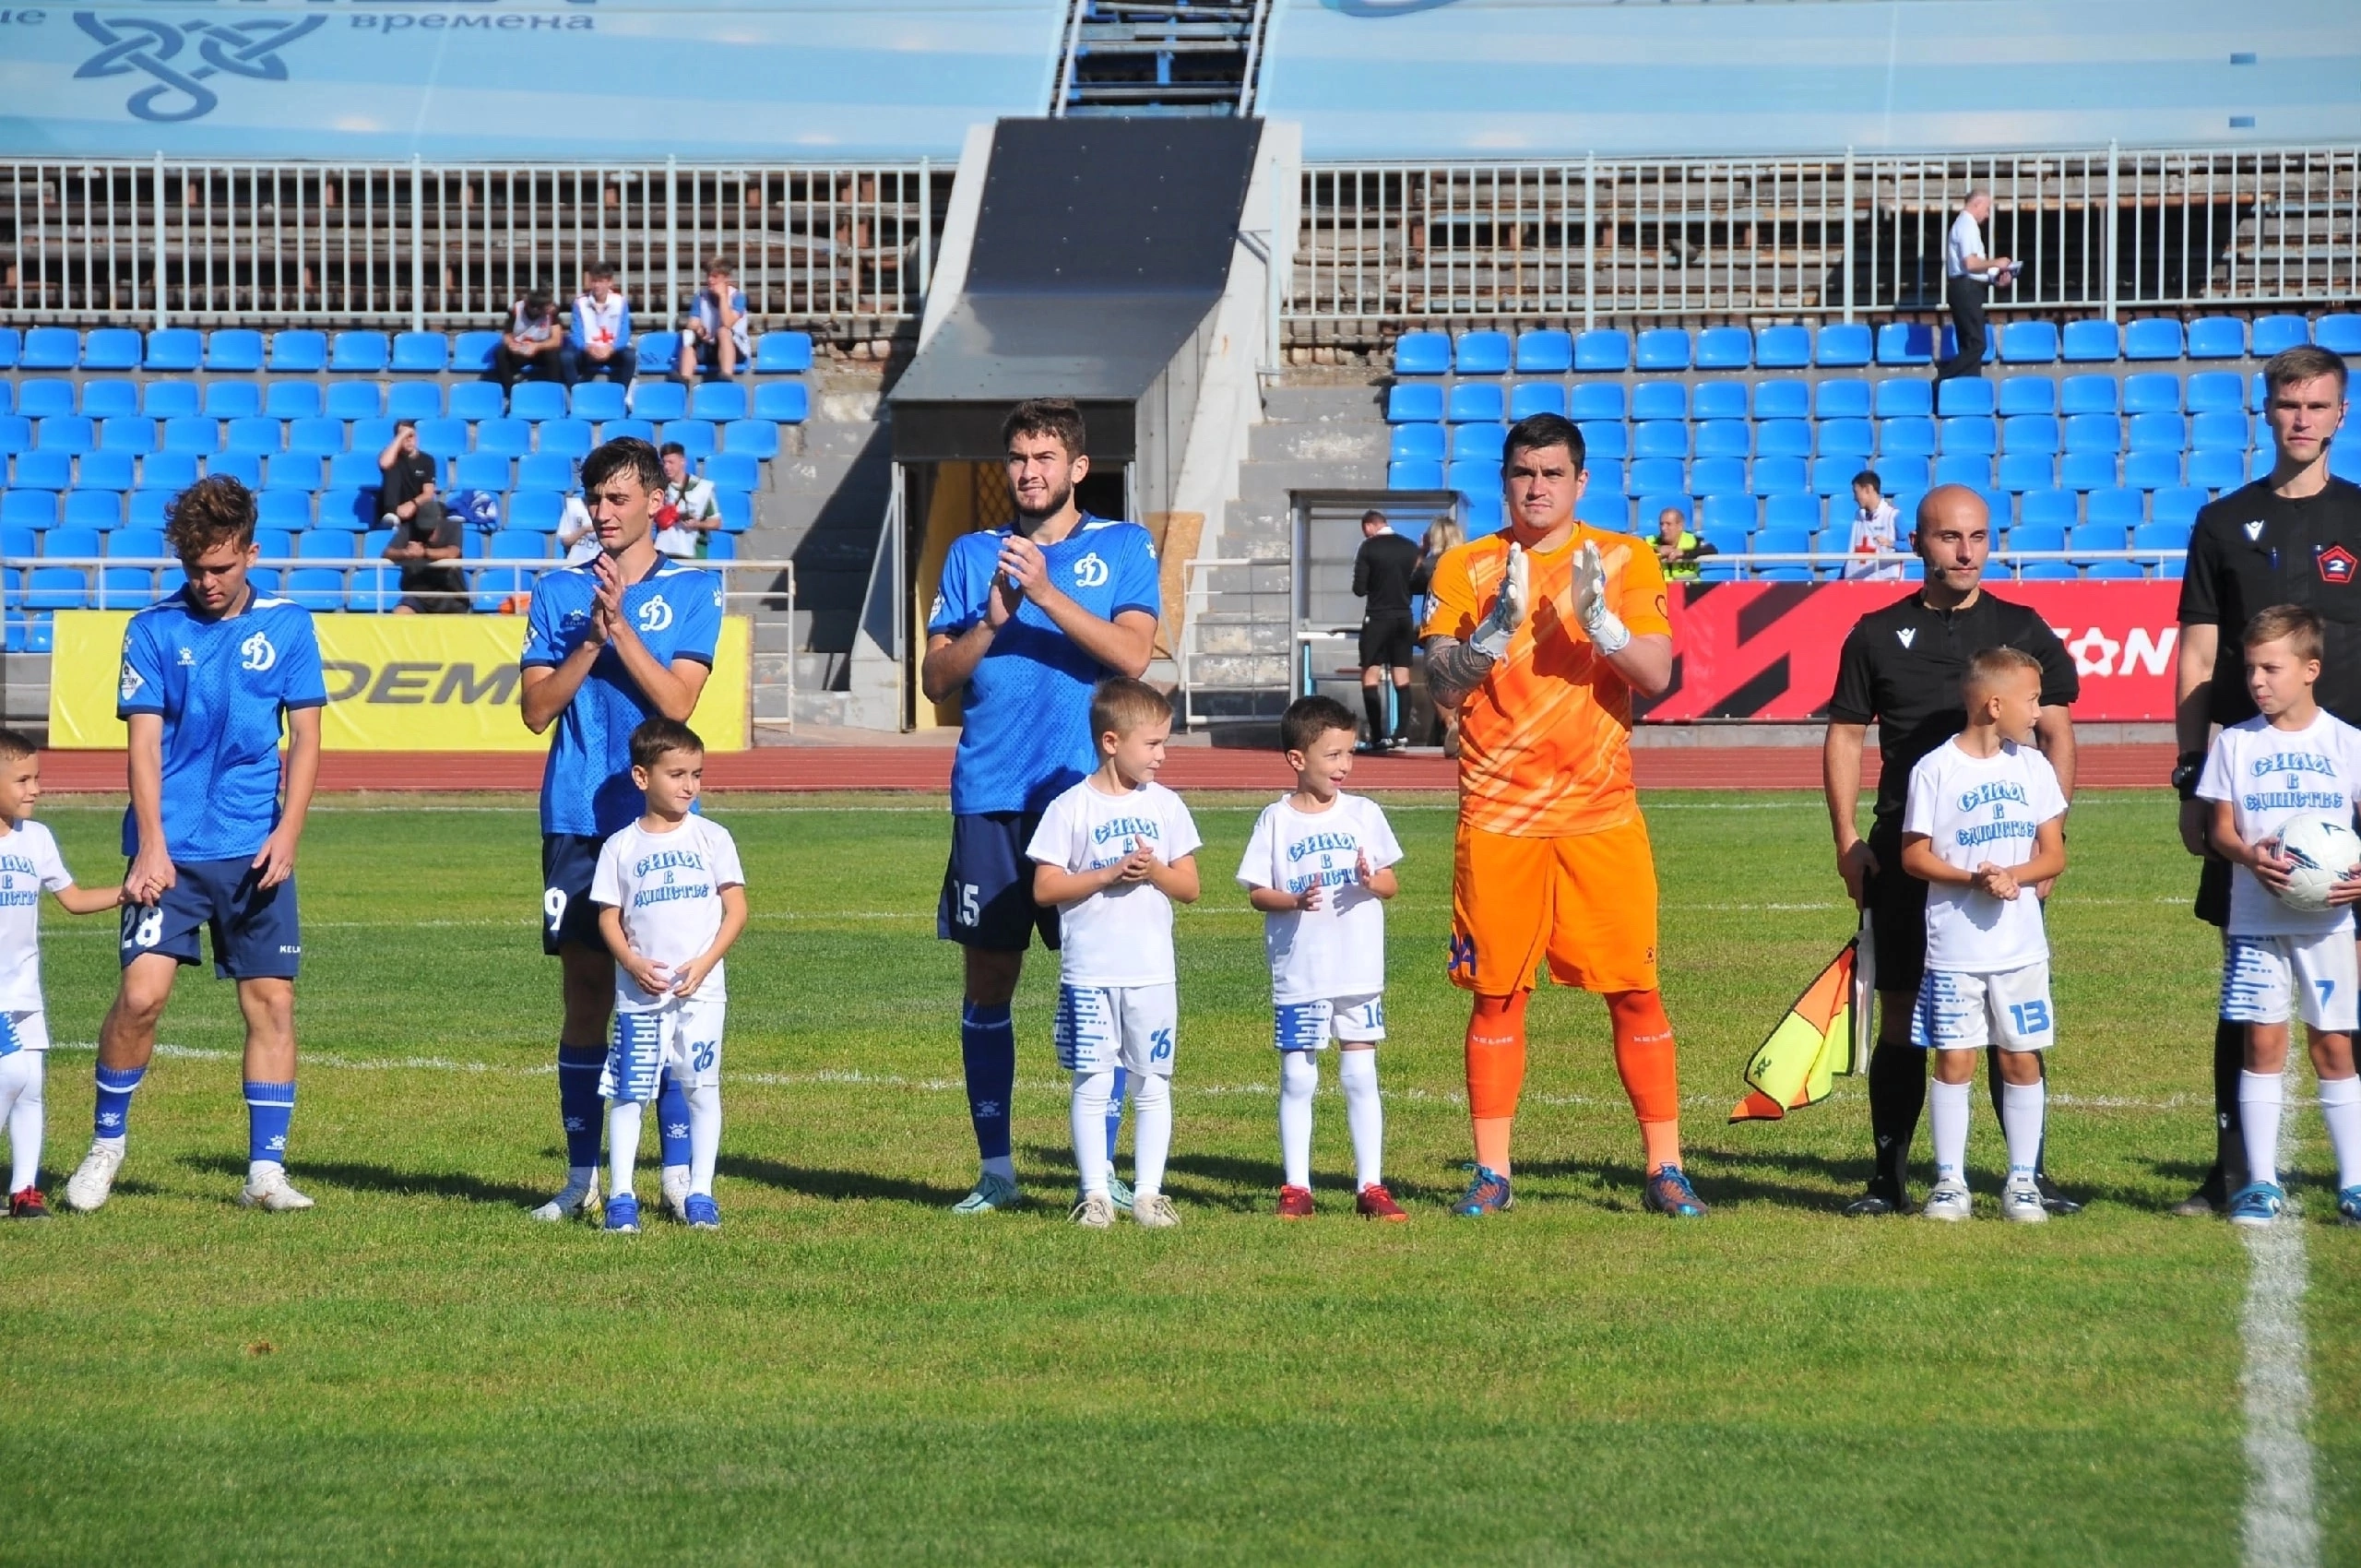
pixel 1500 622
pixel 1602 626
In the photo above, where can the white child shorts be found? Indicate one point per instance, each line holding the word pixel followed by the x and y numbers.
pixel 1965 1011
pixel 682 1034
pixel 28 1030
pixel 1101 1027
pixel 1310 1026
pixel 2263 978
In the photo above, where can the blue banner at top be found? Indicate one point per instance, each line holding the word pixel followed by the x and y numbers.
pixel 558 80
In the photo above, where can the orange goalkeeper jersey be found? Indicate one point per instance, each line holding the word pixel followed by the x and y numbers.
pixel 1545 743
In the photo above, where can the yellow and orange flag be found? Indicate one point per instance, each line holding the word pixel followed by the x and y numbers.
pixel 1825 1033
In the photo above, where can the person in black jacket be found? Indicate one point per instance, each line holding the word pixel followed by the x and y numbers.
pixel 1382 572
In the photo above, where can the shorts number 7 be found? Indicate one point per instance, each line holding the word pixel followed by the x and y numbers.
pixel 2328 989
pixel 2031 1018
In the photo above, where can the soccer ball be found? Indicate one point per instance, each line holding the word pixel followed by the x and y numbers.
pixel 2324 849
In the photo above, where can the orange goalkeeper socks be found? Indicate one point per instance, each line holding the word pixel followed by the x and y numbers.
pixel 1495 1074
pixel 1645 1061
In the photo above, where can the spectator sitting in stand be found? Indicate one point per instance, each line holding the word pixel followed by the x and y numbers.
pixel 406 487
pixel 426 546
pixel 713 337
pixel 1678 547
pixel 601 337
pixel 534 343
pixel 577 534
pixel 687 511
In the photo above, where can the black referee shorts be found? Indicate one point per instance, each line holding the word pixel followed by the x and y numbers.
pixel 2213 892
pixel 1387 640
pixel 1897 913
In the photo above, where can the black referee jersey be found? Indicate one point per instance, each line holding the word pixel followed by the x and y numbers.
pixel 2253 549
pixel 1900 669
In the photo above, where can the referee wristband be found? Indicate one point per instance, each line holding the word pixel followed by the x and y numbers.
pixel 2185 772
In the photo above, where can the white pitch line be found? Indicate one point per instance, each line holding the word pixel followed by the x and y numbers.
pixel 2282 1523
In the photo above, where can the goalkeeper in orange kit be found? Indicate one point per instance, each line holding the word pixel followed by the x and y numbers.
pixel 1538 636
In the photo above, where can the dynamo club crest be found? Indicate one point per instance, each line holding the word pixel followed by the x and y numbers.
pixel 177 58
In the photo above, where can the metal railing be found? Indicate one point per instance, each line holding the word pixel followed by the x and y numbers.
pixel 773 592
pixel 2099 231
pixel 419 245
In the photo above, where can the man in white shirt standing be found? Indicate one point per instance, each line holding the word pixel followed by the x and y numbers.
pixel 687 511
pixel 1874 532
pixel 1969 273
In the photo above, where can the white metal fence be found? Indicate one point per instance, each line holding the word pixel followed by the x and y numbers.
pixel 2099 231
pixel 418 245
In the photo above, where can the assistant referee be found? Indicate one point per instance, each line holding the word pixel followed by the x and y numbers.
pixel 1901 667
pixel 1383 568
pixel 2293 537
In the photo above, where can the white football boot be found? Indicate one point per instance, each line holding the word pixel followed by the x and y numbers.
pixel 1950 1201
pixel 88 1188
pixel 269 1190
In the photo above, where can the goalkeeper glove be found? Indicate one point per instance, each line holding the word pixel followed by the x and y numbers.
pixel 1601 624
pixel 1500 622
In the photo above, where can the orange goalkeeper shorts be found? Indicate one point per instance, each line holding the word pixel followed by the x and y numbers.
pixel 1587 904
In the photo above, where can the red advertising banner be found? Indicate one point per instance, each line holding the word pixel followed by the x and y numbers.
pixel 1768 651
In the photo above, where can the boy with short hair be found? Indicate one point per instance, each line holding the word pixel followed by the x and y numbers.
pixel 29 865
pixel 672 898
pixel 1319 867
pixel 1112 854
pixel 1985 825
pixel 2293 757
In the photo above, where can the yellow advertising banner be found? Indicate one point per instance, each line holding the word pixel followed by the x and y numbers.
pixel 395 684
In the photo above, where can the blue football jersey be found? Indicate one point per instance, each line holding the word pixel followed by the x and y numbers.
pixel 223 687
pixel 1025 736
pixel 676 610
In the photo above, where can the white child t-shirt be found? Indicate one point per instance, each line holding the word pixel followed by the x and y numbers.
pixel 2268 776
pixel 1120 935
pixel 1976 810
pixel 668 887
pixel 29 866
pixel 1338 949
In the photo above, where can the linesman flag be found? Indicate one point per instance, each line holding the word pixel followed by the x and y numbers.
pixel 1826 1032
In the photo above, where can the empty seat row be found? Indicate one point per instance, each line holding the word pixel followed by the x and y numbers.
pixel 93 523
pixel 782 402
pixel 303 351
pixel 1474 402
pixel 1911 437
pixel 2206 471
pixel 1845 344
pixel 75 435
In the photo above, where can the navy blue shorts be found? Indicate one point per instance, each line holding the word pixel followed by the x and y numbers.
pixel 988 887
pixel 569 861
pixel 255 933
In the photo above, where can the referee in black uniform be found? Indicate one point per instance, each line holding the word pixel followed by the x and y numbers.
pixel 2293 537
pixel 1901 667
pixel 1381 572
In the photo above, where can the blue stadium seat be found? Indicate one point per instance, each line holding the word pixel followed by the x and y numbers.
pixel 2055 509
pixel 545 469
pixel 573 438
pixel 720 401
pixel 476 400
pixel 2161 534
pixel 315 437
pixel 471 352
pixel 1842 399
pixel 55 587
pixel 1796 510
pixel 1480 443
pixel 2156 468
pixel 696 436
pixel 46 397
pixel 1652 475
pixel 2341 332
pixel 232 399
pixel 443 438
pixel 2087 470
pixel 105 470
pixel 2028 342
pixel 738 516
pixel 112 348
pixel 1527 398
pixel 1604 349
pixel 1473 479
pixel 2217 469
pixel 641 430
pixel 1975 434
pixel 1474 402
pixel 1722 512
pixel 539 400
pixel 1964 467
pixel 292 400
pixel 317 588
pixel 420 353
pixel 1906 343
pixel 1412 443
pixel 509 437
pixel 2157 338
pixel 2021 471
pixel 1897 474
pixel 2088 395
pixel 2345 462
pixel 2221 427
pixel 481 471
pixel 2092 342
pixel 375 587
pixel 782 353
pixel 110 399
pixel 1785 397
pixel 659 353
pixel 244 467
pixel 1664 347
pixel 68 542
pixel 1723 438
pixel 2176 506
pixel 536 511
pixel 1596 401
pixel 294 472
pixel 1601 510
pixel 2121 510
pixel 2276 334
pixel 1843 345
pixel 347 509
pixel 1970 395
pixel 2217 338
pixel 1783 438
pixel 1717 476
pixel 596 400
pixel 260 436
pixel 140 538
pixel 350 400
pixel 1660 438
pixel 1899 397
pixel 1481 353
pixel 358 353
pixel 1781 475
pixel 1422 353
pixel 12 344
pixel 356 470
pixel 1724 347
pixel 661 400
pixel 1847 438
pixel 2158 432
pixel 69 433
pixel 34 509
pixel 287 512
pixel 414 400
pixel 737 471
pixel 1660 401
pixel 175 348
pixel 298 351
pixel 1947 343
pixel 101 510
pixel 1783 348
pixel 2030 432
pixel 1719 401
pixel 2093 432
pixel 751 438
pixel 2212 390
pixel 2027 395
pixel 1833 476
pixel 1909 436
pixel 1605 439
pixel 783 402
pixel 167 470
pixel 2110 571
pixel 198 436
pixel 50 348
pixel 15 435
pixel 232 351
pixel 2152 392
pixel 133 435
pixel 1414 473
pixel 1545 351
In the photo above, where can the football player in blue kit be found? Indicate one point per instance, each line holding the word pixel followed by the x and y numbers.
pixel 212 677
pixel 1028 620
pixel 624 636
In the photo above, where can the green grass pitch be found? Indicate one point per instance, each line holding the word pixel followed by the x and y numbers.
pixel 413 1372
